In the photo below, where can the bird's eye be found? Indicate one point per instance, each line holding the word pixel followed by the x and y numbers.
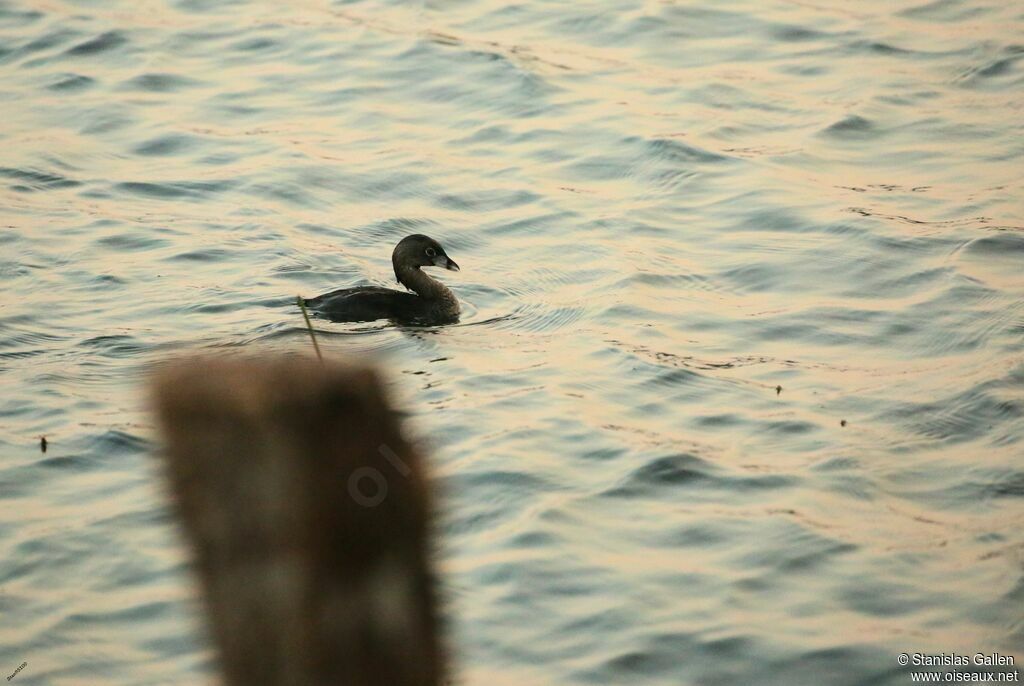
pixel 431 252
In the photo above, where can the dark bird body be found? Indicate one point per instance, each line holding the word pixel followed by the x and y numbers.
pixel 430 302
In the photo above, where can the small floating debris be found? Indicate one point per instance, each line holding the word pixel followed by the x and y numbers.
pixel 778 390
pixel 42 443
pixel 842 422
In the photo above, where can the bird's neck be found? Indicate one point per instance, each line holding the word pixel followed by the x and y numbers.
pixel 415 279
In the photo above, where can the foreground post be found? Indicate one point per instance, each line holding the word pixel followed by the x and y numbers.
pixel 309 518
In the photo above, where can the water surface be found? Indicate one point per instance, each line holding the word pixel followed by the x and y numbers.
pixel 738 392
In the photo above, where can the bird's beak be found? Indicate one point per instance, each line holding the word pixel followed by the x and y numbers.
pixel 446 262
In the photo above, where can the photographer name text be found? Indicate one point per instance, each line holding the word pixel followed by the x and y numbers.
pixel 956 659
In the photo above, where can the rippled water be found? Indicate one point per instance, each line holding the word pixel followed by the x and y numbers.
pixel 665 211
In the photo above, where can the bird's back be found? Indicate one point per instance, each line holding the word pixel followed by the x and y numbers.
pixel 367 303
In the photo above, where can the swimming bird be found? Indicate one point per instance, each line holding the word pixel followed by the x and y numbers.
pixel 431 302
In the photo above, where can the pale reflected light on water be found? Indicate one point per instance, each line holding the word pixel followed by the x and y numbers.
pixel 663 211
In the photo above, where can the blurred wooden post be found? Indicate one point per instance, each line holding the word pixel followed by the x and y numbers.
pixel 309 518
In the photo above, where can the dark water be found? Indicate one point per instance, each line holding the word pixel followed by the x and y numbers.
pixel 663 211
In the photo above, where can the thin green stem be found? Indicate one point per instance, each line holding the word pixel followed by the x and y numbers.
pixel 305 315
